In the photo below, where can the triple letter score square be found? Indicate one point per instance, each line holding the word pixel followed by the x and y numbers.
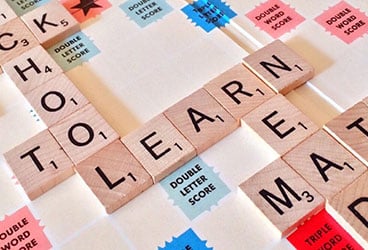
pixel 284 197
pixel 279 67
pixel 39 164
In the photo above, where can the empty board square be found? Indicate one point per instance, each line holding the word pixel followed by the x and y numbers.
pixel 201 119
pixel 56 99
pixel 6 13
pixel 283 196
pixel 39 164
pixel 325 164
pixel 83 133
pixel 239 91
pixel 15 39
pixel 280 124
pixel 51 23
pixel 159 147
pixel 352 205
pixel 114 175
pixel 31 69
pixel 279 67
pixel 351 129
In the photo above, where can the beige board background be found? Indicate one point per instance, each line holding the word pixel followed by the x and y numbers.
pixel 141 72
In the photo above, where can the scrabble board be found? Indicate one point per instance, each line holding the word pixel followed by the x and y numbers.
pixel 180 124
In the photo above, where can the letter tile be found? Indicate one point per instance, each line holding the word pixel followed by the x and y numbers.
pixel 279 67
pixel 351 129
pixel 366 101
pixel 51 23
pixel 83 133
pixel 239 91
pixel 280 124
pixel 15 39
pixel 6 13
pixel 39 164
pixel 56 99
pixel 283 196
pixel 31 69
pixel 201 119
pixel 352 205
pixel 159 147
pixel 325 164
pixel 114 175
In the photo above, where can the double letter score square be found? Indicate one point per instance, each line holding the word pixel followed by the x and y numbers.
pixel 279 67
pixel 159 147
pixel 284 197
pixel 39 164
pixel 114 175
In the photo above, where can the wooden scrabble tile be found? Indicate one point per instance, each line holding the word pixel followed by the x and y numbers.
pixel 325 164
pixel 352 205
pixel 83 133
pixel 51 23
pixel 114 175
pixel 279 67
pixel 283 196
pixel 39 164
pixel 56 99
pixel 15 39
pixel 351 129
pixel 201 119
pixel 239 91
pixel 31 69
pixel 366 101
pixel 6 13
pixel 280 124
pixel 159 147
